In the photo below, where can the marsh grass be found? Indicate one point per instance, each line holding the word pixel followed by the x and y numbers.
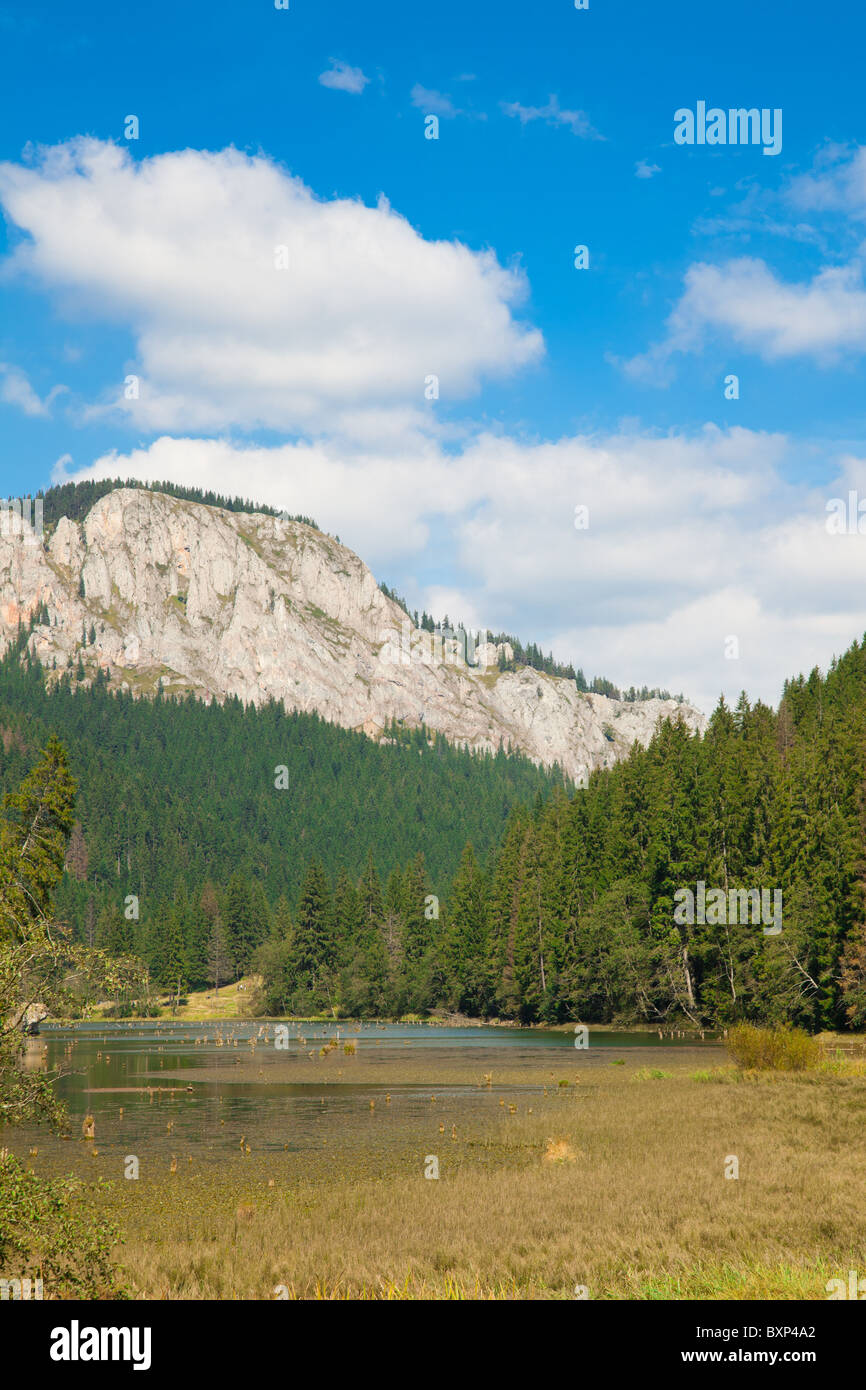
pixel 643 1210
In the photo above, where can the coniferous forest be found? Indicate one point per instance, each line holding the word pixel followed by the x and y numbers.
pixel 377 923
pixel 412 876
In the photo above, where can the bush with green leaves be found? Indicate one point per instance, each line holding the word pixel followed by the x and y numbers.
pixel 49 1228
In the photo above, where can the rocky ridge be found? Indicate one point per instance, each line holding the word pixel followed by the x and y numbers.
pixel 150 588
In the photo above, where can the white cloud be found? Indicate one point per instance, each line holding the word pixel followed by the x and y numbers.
pixel 340 77
pixel 642 170
pixel 182 249
pixel 691 539
pixel 747 303
pixel 457 605
pixel 836 184
pixel 553 114
pixel 15 389
pixel 434 103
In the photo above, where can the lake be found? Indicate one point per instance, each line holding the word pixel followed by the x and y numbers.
pixel 201 1093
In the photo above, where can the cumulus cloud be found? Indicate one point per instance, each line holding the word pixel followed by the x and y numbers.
pixel 837 183
pixel 553 114
pixel 340 77
pixel 691 540
pixel 747 303
pixel 642 170
pixel 15 389
pixel 254 303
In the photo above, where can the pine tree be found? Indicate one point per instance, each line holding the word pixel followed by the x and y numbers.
pixel 33 840
pixel 220 966
pixel 312 944
pixel 241 926
pixel 370 894
pixel 419 929
pixel 76 855
pixel 174 970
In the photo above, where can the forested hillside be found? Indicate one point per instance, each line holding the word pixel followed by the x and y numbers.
pixel 580 912
pixel 176 795
pixel 409 876
pixel 577 915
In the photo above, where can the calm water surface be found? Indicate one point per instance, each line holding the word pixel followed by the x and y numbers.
pixel 195 1090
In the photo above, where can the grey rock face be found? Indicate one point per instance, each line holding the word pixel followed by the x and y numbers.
pixel 226 603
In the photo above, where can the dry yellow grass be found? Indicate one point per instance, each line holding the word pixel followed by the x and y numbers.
pixel 628 1198
pixel 232 1001
pixel 558 1151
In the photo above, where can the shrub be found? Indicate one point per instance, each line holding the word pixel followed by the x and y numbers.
pixel 772 1049
pixel 49 1229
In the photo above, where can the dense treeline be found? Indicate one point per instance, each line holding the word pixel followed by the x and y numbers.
pixel 74 500
pixel 541 904
pixel 175 794
pixel 582 910
pixel 562 905
pixel 583 915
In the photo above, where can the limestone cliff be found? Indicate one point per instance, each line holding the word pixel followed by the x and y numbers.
pixel 229 603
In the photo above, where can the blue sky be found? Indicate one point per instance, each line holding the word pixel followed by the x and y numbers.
pixel 557 386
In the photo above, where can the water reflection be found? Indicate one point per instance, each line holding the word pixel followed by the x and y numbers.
pixel 198 1093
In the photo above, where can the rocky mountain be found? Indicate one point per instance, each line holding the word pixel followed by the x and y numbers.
pixel 148 587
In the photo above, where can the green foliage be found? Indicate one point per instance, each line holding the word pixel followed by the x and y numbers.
pixel 50 1229
pixel 555 905
pixel 33 835
pixel 313 947
pixel 581 897
pixel 176 792
pixel 40 967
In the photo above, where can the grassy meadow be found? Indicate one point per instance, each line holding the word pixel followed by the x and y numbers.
pixel 615 1182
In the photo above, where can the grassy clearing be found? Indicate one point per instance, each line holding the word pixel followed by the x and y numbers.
pixel 229 1002
pixel 620 1188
